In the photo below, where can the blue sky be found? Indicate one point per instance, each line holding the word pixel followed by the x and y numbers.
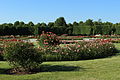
pixel 48 10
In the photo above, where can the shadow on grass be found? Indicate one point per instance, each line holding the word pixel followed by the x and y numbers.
pixel 4 71
pixel 46 68
pixel 56 68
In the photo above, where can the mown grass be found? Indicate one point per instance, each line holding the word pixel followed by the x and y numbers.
pixel 117 45
pixel 97 69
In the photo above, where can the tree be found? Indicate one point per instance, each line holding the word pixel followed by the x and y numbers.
pixel 75 24
pixel 30 26
pixel 107 28
pixel 16 23
pixel 43 25
pixel 60 22
pixel 60 25
pixel 89 22
pixel 113 29
pixel 21 23
pixel 76 28
pixel 69 30
pixel 51 24
pixel 81 23
pixel 36 29
pixel 97 28
pixel 31 23
pixel 117 26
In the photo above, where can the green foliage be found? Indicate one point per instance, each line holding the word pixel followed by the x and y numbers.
pixel 98 29
pixel 97 69
pixel 82 50
pixel 48 39
pixel 89 22
pixel 59 27
pixel 117 29
pixel 60 22
pixel 1 53
pixel 22 56
pixel 50 24
pixel 1 50
pixel 85 30
pixel 82 29
pixel 1 58
pixel 115 41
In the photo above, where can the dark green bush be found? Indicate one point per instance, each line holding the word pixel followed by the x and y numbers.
pixel 1 52
pixel 22 56
pixel 1 57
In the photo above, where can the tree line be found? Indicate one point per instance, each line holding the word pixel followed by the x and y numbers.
pixel 59 27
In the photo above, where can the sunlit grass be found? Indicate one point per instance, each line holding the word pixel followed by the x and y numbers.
pixel 97 69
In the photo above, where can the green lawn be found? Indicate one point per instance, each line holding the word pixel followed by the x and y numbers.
pixel 117 45
pixel 98 69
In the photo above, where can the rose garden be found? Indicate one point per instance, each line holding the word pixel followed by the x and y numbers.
pixel 87 50
pixel 49 54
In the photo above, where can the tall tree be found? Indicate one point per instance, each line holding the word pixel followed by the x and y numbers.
pixel 69 30
pixel 60 22
pixel 60 25
pixel 31 23
pixel 89 22
pixel 16 23
pixel 51 24
pixel 76 28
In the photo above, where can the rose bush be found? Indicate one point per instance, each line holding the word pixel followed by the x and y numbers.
pixel 22 56
pixel 80 51
pixel 48 39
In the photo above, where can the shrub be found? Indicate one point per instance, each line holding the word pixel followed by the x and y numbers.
pixel 98 49
pixel 1 50
pixel 22 56
pixel 80 51
pixel 1 53
pixel 48 39
pixel 51 53
pixel 115 41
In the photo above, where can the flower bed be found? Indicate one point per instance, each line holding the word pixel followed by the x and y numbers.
pixel 91 49
pixel 79 51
